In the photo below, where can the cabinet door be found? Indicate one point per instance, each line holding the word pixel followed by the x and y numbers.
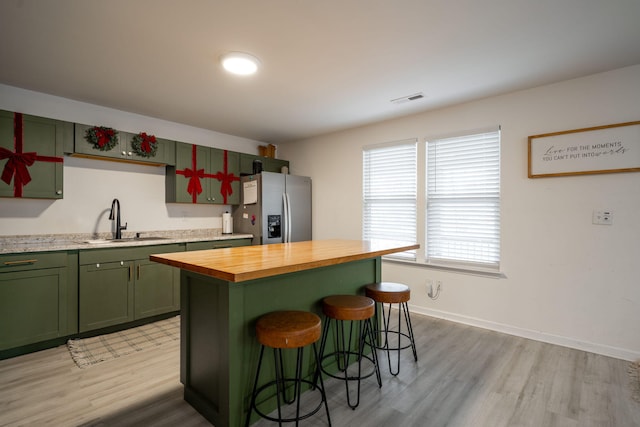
pixel 31 155
pixel 268 164
pixel 106 295
pixel 187 181
pixel 157 289
pixel 82 146
pixel 33 306
pixel 225 179
pixel 165 150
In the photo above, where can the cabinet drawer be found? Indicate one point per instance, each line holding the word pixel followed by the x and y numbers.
pixel 93 256
pixel 32 261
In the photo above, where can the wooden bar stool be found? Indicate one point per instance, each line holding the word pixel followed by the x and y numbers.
pixel 288 330
pixel 355 309
pixel 392 293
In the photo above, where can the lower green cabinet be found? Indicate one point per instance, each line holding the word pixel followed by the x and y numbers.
pixel 38 298
pixel 121 285
pixel 47 297
pixel 157 289
pixel 106 295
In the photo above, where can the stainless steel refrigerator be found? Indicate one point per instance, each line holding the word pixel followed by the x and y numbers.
pixel 274 207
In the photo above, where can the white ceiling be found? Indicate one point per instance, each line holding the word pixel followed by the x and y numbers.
pixel 326 65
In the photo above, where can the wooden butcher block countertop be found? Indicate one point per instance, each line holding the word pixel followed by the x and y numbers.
pixel 254 262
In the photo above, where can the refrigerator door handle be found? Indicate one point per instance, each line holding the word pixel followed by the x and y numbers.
pixel 287 218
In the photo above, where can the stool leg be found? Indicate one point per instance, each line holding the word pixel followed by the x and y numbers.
pixel 323 343
pixel 407 318
pixel 374 356
pixel 298 385
pixel 279 380
pixel 318 375
pixel 255 387
pixel 282 375
pixel 387 345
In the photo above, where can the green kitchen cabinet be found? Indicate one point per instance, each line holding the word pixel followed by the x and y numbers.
pixel 121 285
pixel 123 151
pixel 156 291
pixel 217 244
pixel 106 295
pixel 31 155
pixel 268 164
pixel 225 185
pixel 203 175
pixel 38 297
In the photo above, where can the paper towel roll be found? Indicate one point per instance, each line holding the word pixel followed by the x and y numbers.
pixel 227 223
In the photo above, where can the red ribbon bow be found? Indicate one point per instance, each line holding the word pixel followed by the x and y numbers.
pixel 18 162
pixel 104 136
pixel 16 166
pixel 147 140
pixel 194 187
pixel 225 179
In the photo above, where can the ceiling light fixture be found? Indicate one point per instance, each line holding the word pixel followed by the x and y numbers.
pixel 240 63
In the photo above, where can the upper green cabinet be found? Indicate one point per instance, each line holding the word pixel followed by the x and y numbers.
pixel 268 164
pixel 123 150
pixel 31 155
pixel 203 175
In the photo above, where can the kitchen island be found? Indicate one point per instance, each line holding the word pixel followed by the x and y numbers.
pixel 224 292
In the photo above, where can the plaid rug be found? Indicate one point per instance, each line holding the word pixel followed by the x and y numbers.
pixel 634 380
pixel 91 351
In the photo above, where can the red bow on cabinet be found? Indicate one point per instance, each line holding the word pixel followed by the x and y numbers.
pixel 17 166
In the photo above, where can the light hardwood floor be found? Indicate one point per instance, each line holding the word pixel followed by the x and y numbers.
pixel 465 376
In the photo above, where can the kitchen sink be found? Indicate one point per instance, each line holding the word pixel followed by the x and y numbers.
pixel 138 239
pixel 126 239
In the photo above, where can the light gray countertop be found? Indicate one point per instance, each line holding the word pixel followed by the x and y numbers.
pixel 65 242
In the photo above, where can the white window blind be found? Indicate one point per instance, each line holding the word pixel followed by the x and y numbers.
pixel 390 192
pixel 463 200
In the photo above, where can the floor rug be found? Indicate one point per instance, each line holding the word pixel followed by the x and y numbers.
pixel 91 351
pixel 634 378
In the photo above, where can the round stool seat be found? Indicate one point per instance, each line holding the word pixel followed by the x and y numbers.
pixel 288 329
pixel 388 292
pixel 348 307
pixel 288 332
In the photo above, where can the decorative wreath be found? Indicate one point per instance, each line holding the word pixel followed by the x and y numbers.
pixel 144 145
pixel 102 138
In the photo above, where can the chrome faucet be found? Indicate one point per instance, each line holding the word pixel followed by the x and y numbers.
pixel 116 204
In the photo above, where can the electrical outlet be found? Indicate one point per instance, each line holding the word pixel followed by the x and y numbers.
pixel 602 218
pixel 429 288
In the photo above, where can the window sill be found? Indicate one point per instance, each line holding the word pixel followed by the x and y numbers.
pixel 460 270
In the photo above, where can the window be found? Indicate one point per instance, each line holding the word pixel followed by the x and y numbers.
pixel 452 210
pixel 463 200
pixel 390 193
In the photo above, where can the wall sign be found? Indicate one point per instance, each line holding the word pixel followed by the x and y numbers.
pixel 601 149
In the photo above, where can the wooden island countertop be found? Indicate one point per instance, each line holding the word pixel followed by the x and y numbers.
pixel 239 264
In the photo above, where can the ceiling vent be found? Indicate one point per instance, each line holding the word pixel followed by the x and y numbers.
pixel 404 99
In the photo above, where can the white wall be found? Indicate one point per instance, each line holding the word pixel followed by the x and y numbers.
pixel 567 281
pixel 91 185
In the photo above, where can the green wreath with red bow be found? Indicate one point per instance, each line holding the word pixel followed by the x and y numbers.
pixel 144 145
pixel 102 138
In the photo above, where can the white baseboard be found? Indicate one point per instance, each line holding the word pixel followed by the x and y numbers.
pixel 618 353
